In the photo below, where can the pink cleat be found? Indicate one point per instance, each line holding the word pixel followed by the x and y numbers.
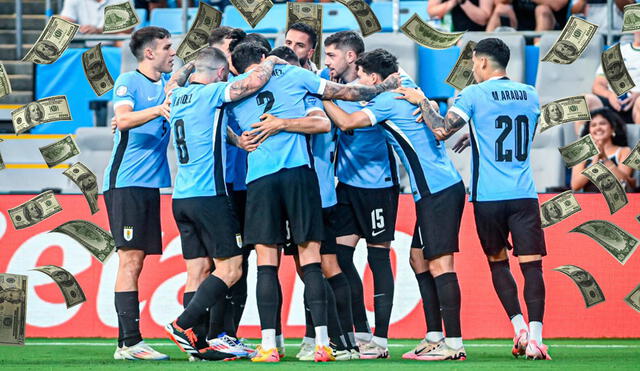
pixel 520 342
pixel 537 351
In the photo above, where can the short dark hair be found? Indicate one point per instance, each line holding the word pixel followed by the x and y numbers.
pixel 303 27
pixel 210 58
pixel 223 32
pixel 378 61
pixel 246 54
pixel 287 54
pixel 495 49
pixel 348 40
pixel 141 38
pixel 250 38
pixel 616 122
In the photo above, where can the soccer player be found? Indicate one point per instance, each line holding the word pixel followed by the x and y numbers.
pixel 200 194
pixel 281 168
pixel 367 195
pixel 436 185
pixel 502 115
pixel 302 39
pixel 137 169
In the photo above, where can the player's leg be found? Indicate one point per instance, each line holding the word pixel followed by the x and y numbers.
pixel 198 269
pixel 126 295
pixel 267 298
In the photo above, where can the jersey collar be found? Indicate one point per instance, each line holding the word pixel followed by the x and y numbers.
pixel 498 78
pixel 147 77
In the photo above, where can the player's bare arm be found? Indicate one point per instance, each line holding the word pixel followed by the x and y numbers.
pixel 358 92
pixel 126 118
pixel 316 122
pixel 346 121
pixel 180 77
pixel 255 80
pixel 241 141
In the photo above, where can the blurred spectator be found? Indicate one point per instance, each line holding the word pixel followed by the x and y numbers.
pixel 89 14
pixel 528 15
pixel 149 5
pixel 466 15
pixel 595 11
pixel 607 130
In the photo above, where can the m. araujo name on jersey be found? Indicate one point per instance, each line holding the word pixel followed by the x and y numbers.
pixel 139 157
pixel 199 137
pixel 424 157
pixel 503 116
pixel 283 97
pixel 323 147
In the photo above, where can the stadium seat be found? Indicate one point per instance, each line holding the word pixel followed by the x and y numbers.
pixel 569 133
pixel 435 66
pixel 337 17
pixel 171 18
pixel 384 13
pixel 273 22
pixel 142 14
pixel 555 81
pixel 407 8
pixel 516 43
pixel 633 136
pixel 546 162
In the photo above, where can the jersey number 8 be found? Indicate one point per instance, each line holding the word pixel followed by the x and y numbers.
pixel 181 142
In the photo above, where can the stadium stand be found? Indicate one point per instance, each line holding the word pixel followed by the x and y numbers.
pixel 337 17
pixel 171 18
pixel 273 22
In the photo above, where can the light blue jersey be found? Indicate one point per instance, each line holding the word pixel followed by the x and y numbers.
pixel 503 115
pixel 199 137
pixel 323 147
pixel 283 97
pixel 139 157
pixel 236 170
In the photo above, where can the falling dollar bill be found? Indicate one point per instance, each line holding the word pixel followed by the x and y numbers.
pixel 95 239
pixel 52 42
pixel 366 18
pixel 631 18
pixel 13 308
pixel 618 242
pixel 206 20
pixel 558 209
pixel 95 70
pixel 71 290
pixel 2 165
pixel 311 15
pixel 633 299
pixel 608 185
pixel 573 41
pixel 428 36
pixel 35 210
pixel 616 71
pixel 5 83
pixel 579 151
pixel 461 75
pixel 633 160
pixel 39 112
pixel 564 110
pixel 86 181
pixel 588 286
pixel 60 151
pixel 252 10
pixel 119 17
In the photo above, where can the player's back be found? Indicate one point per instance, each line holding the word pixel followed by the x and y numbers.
pixel 503 118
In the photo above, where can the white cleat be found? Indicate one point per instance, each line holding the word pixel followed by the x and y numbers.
pixel 442 352
pixel 355 354
pixel 372 350
pixel 307 352
pixel 341 355
pixel 140 351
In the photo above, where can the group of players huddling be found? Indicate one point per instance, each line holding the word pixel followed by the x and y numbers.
pixel 260 137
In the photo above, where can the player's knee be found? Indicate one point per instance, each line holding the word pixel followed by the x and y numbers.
pixel 330 266
pixel 441 265
pixel 417 262
pixel 131 265
pixel 502 255
pixel 198 272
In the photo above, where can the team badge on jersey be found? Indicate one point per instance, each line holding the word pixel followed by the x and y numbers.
pixel 121 91
pixel 127 233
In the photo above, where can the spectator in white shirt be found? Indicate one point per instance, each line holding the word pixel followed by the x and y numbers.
pixel 89 14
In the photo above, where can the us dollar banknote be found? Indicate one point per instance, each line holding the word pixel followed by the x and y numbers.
pixel 564 110
pixel 95 70
pixel 60 151
pixel 35 210
pixel 633 160
pixel 85 179
pixel 573 41
pixel 95 239
pixel 309 14
pixel 2 165
pixel 616 71
pixel 427 36
pixel 206 20
pixel 618 242
pixel 5 83
pixel 633 299
pixel 631 18
pixel 52 42
pixel 608 185
pixel 253 10
pixel 461 75
pixel 13 308
pixel 69 286
pixel 588 286
pixel 119 17
pixel 42 111
pixel 367 20
pixel 579 151
pixel 558 208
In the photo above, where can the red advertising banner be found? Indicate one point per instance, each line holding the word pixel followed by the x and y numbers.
pixel 163 278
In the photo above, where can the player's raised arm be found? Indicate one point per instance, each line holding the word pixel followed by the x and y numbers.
pixel 258 77
pixel 180 77
pixel 358 92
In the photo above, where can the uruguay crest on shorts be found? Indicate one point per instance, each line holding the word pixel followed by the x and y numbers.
pixel 127 233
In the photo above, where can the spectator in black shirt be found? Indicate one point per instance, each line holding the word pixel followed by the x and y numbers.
pixel 528 15
pixel 466 15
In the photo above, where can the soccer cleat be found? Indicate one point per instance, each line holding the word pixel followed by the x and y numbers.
pixel 140 351
pixel 306 353
pixel 247 348
pixel 422 348
pixel 537 351
pixel 520 342
pixel 185 339
pixel 229 345
pixel 269 355
pixel 372 350
pixel 211 354
pixel 323 353
pixel 340 355
pixel 281 351
pixel 442 352
pixel 355 354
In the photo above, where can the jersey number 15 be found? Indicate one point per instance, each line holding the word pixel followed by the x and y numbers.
pixel 505 123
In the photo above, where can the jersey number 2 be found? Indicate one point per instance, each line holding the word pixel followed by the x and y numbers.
pixel 181 142
pixel 266 97
pixel 522 138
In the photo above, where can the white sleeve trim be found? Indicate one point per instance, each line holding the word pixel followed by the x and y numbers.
pixel 312 109
pixel 122 103
pixel 460 113
pixel 227 93
pixel 323 84
pixel 371 116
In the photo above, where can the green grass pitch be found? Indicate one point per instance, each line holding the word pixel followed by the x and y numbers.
pixel 96 354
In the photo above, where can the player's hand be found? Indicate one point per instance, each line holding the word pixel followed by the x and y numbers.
pixel 276 60
pixel 413 96
pixel 440 133
pixel 461 144
pixel 247 142
pixel 419 117
pixel 114 125
pixel 268 126
pixel 614 102
pixel 165 107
